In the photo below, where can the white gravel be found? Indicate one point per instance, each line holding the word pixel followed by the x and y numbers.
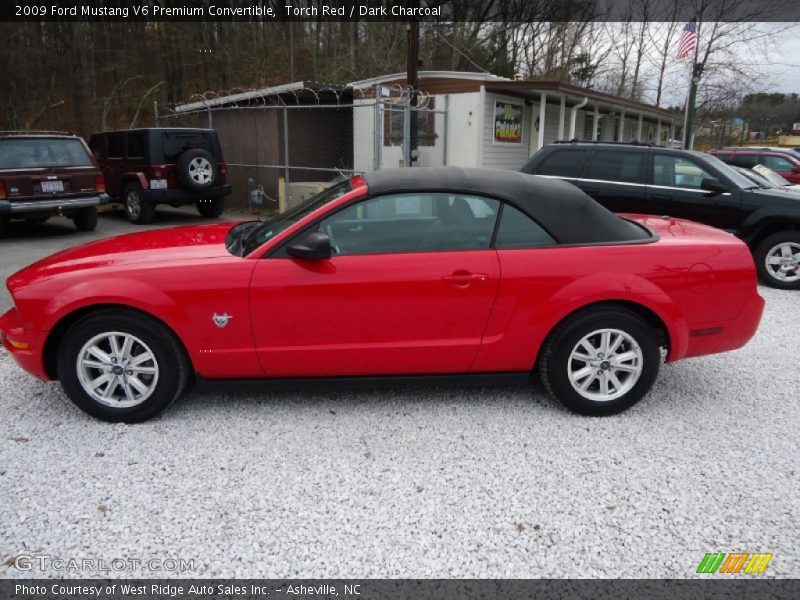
pixel 419 483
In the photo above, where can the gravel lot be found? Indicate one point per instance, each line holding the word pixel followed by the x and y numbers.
pixel 414 483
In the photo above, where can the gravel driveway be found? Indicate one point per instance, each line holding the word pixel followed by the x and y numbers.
pixel 418 483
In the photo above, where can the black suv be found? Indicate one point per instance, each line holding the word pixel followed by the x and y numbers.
pixel 48 173
pixel 145 167
pixel 645 179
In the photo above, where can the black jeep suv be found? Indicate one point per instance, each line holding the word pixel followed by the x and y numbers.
pixel 145 167
pixel 645 179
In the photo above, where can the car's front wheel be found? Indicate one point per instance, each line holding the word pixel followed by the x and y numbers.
pixel 778 260
pixel 85 219
pixel 137 208
pixel 211 207
pixel 121 366
pixel 601 361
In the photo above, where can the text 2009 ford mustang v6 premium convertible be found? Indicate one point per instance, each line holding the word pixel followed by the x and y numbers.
pixel 415 275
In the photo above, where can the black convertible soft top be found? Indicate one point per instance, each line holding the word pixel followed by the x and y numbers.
pixel 568 214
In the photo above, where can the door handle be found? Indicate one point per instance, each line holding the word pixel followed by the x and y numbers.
pixel 464 279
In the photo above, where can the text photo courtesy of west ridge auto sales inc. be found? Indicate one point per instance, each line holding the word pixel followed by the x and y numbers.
pixel 399 299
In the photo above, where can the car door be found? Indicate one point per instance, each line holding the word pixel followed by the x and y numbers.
pixel 408 290
pixel 615 178
pixel 675 189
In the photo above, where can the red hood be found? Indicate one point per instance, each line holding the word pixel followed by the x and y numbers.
pixel 152 246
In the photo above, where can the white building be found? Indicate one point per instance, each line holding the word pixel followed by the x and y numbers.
pixel 483 120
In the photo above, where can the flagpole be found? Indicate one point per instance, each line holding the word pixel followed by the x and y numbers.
pixel 696 71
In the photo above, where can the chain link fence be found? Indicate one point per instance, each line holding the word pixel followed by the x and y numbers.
pixel 286 143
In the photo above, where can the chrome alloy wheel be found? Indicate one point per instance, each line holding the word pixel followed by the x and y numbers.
pixel 133 204
pixel 605 365
pixel 783 261
pixel 201 170
pixel 117 369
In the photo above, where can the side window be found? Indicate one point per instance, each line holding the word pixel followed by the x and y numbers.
pixel 675 171
pixel 136 144
pixel 418 222
pixel 518 230
pixel 616 165
pixel 776 163
pixel 115 145
pixel 748 161
pixel 564 162
pixel 96 145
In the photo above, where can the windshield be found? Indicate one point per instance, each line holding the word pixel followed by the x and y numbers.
pixel 755 177
pixel 265 231
pixel 737 178
pixel 37 153
pixel 770 175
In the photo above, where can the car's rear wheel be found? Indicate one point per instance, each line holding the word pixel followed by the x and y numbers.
pixel 85 219
pixel 601 361
pixel 778 260
pixel 211 207
pixel 196 169
pixel 137 208
pixel 121 366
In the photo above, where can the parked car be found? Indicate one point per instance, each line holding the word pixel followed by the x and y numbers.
pixel 784 161
pixel 45 174
pixel 441 275
pixel 637 178
pixel 146 167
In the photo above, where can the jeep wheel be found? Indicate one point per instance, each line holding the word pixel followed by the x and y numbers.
pixel 197 169
pixel 211 207
pixel 85 219
pixel 136 208
pixel 778 260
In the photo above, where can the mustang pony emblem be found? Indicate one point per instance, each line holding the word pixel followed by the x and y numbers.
pixel 221 320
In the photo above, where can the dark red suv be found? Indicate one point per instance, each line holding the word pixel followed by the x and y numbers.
pixel 783 161
pixel 45 174
pixel 146 167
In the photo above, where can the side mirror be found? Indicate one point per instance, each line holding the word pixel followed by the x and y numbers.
pixel 796 170
pixel 712 184
pixel 316 246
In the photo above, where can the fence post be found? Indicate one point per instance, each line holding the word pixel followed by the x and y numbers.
pixel 407 129
pixel 286 154
pixel 155 110
pixel 377 146
pixel 444 129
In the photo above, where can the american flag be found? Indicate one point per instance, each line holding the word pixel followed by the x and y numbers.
pixel 688 41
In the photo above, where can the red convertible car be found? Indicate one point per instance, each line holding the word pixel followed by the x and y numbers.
pixel 405 276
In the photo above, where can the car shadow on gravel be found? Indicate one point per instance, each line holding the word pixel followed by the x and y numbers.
pixel 200 402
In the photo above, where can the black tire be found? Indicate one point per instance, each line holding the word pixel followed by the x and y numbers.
pixel 85 219
pixel 786 277
pixel 137 209
pixel 4 225
pixel 557 361
pixel 197 170
pixel 168 355
pixel 211 207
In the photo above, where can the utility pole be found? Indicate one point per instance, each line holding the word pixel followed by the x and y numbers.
pixel 412 79
pixel 688 136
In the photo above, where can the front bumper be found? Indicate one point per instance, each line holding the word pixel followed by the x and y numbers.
pixel 184 196
pixel 25 346
pixel 50 205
